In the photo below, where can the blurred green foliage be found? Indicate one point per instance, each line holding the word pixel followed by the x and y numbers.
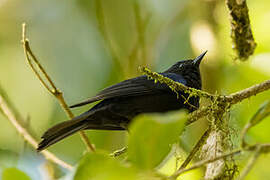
pixel 13 173
pixel 151 138
pixel 66 38
pixel 100 167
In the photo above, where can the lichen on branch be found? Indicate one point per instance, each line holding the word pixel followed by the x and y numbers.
pixel 175 86
pixel 241 33
pixel 218 141
pixel 230 99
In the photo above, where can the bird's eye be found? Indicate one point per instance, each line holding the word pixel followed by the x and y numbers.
pixel 180 66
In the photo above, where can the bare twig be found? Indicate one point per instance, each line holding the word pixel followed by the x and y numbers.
pixel 50 86
pixel 119 152
pixel 25 133
pixel 248 92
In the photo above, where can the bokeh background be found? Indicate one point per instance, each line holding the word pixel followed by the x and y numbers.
pixel 84 52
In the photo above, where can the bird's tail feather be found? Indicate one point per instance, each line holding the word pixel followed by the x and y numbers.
pixel 60 131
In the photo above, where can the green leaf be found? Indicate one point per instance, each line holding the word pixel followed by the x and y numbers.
pixel 262 113
pixel 99 166
pixel 152 136
pixel 14 173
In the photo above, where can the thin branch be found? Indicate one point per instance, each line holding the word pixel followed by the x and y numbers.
pixel 248 92
pixel 232 99
pixel 250 163
pixel 27 52
pixel 195 149
pixel 25 133
pixel 263 148
pixel 119 152
pixel 243 134
pixel 204 162
pixel 30 57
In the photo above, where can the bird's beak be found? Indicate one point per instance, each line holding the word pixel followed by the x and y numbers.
pixel 198 59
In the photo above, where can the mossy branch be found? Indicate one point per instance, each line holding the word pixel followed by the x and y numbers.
pixel 175 86
pixel 204 162
pixel 241 33
pixel 26 133
pixel 218 126
pixel 231 99
pixel 257 149
pixel 40 72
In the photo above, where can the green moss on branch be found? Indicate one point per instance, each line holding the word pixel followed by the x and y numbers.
pixel 175 86
pixel 241 33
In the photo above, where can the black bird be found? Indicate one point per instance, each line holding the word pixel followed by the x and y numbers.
pixel 123 101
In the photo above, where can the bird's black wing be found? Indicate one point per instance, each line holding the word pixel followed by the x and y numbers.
pixel 133 87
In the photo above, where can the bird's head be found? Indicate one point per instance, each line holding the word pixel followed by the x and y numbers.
pixel 189 69
pixel 185 66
